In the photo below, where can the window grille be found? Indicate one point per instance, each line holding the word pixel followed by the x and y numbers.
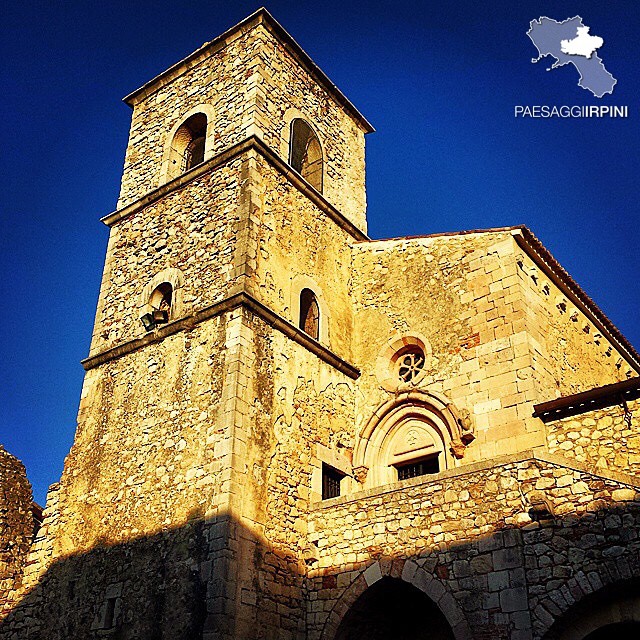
pixel 418 468
pixel 330 482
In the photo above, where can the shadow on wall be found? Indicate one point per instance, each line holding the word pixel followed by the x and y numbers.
pixel 215 579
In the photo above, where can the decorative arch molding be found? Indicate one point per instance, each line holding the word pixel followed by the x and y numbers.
pixel 175 278
pixel 298 284
pixel 427 421
pixel 210 114
pixel 411 572
pixel 585 589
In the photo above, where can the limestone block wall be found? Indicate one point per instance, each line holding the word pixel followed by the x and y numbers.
pixel 150 442
pixel 16 524
pixel 193 230
pixel 294 401
pixel 225 81
pixel 247 84
pixel 463 295
pixel 287 91
pixel 471 541
pixel 298 246
pixel 607 438
pixel 570 353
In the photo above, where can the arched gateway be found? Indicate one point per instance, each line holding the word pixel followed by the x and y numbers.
pixel 392 609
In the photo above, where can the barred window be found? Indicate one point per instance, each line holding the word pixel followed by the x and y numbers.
pixel 417 468
pixel 331 479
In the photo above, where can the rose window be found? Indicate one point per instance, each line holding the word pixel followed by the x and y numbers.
pixel 411 366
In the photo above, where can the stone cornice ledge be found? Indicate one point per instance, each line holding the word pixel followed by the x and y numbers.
pixel 539 453
pixel 241 299
pixel 251 143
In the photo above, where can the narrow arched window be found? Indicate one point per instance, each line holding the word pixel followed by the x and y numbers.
pixel 188 145
pixel 305 153
pixel 309 313
pixel 162 299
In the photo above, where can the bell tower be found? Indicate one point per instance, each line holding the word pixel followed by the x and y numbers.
pixel 221 348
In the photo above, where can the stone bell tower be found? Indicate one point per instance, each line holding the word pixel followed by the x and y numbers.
pixel 179 512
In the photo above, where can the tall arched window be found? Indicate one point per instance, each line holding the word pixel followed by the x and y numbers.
pixel 305 153
pixel 188 145
pixel 309 313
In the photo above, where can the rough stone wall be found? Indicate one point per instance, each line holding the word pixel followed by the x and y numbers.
pixel 463 295
pixel 606 437
pixel 249 84
pixel 226 80
pixel 193 229
pixel 284 86
pixel 570 354
pixel 294 238
pixel 472 542
pixel 293 402
pixel 16 524
pixel 148 448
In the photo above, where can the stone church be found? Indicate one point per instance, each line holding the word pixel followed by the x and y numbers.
pixel 290 431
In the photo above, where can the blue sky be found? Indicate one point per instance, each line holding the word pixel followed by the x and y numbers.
pixel 438 80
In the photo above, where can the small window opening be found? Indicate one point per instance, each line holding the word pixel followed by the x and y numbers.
pixel 331 479
pixel 188 145
pixel 109 614
pixel 305 154
pixel 411 365
pixel 417 468
pixel 161 300
pixel 309 313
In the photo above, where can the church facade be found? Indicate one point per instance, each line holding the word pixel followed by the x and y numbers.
pixel 288 430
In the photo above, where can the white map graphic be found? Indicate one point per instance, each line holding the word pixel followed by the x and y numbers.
pixel 582 45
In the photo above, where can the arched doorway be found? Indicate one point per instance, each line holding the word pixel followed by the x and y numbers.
pixel 392 609
pixel 612 612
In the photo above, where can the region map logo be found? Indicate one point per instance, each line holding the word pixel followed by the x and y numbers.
pixel 569 42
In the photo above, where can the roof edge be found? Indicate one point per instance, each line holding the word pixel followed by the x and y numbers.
pixel 561 277
pixel 601 397
pixel 261 16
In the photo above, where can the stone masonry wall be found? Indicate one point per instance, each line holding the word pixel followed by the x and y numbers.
pixel 479 544
pixel 285 86
pixel 16 524
pixel 462 294
pixel 294 401
pixel 570 354
pixel 193 229
pixel 295 239
pixel 226 81
pixel 149 442
pixel 607 438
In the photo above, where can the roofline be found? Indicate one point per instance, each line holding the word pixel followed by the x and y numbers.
pixel 261 16
pixel 598 398
pixel 528 242
pixel 558 274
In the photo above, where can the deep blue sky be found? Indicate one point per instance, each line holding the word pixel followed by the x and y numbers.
pixel 438 80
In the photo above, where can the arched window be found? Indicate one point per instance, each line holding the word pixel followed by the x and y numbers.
pixel 309 313
pixel 160 302
pixel 188 145
pixel 162 298
pixel 305 153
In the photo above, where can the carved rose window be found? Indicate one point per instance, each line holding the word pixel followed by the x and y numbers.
pixel 411 365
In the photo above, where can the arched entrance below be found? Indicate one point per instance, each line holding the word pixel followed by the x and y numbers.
pixel 612 612
pixel 392 609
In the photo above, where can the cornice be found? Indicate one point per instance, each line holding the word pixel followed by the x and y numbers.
pixel 240 299
pixel 252 143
